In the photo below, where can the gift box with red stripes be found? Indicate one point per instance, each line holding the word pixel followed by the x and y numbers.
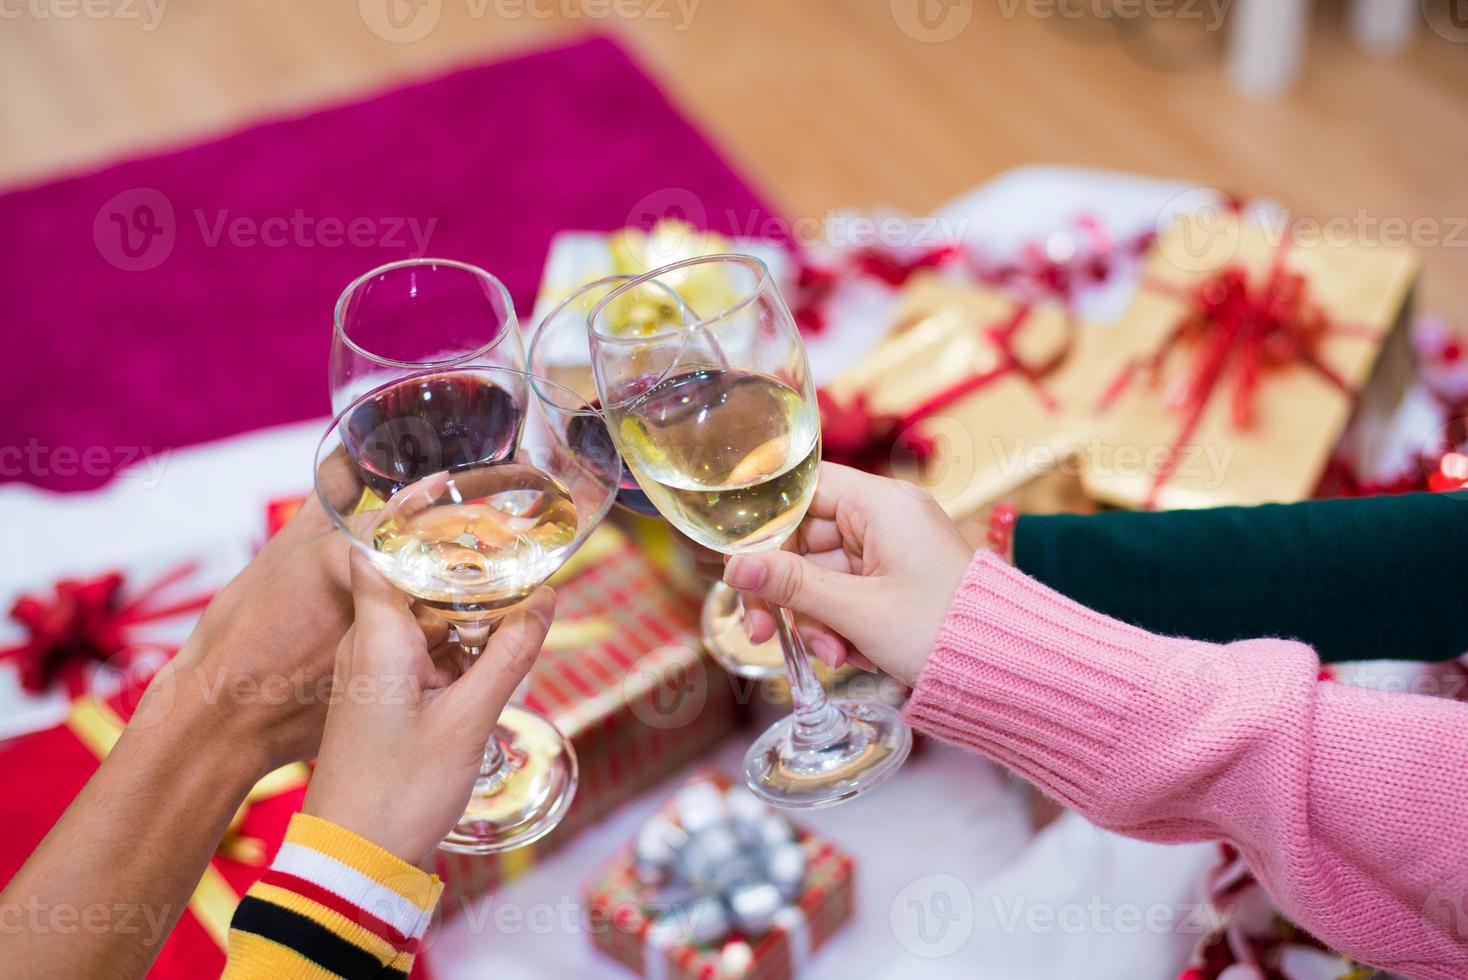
pixel 670 930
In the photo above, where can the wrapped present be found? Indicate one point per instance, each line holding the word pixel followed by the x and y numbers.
pixel 975 395
pixel 54 764
pixel 91 622
pixel 578 258
pixel 718 885
pixel 1244 355
pixel 624 675
pixel 1252 941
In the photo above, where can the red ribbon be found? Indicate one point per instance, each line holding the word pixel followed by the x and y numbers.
pixel 1232 323
pixel 852 434
pixel 86 621
pixel 1035 274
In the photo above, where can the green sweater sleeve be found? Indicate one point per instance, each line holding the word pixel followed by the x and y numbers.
pixel 1377 578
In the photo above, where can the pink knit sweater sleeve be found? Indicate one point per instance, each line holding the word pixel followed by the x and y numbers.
pixel 1350 805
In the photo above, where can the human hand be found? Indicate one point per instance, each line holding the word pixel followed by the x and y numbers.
pixel 404 741
pixel 874 565
pixel 256 670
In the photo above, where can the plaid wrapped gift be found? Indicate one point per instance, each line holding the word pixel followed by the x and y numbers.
pixel 623 915
pixel 624 676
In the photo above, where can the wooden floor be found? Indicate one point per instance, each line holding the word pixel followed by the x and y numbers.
pixel 825 103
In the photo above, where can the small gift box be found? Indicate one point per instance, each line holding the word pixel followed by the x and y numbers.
pixel 972 396
pixel 624 676
pixel 1244 354
pixel 718 885
pixel 53 765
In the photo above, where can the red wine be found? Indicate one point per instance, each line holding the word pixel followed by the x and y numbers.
pixel 443 422
pixel 588 436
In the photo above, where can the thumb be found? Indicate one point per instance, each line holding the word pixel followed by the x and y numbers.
pixel 481 694
pixel 789 580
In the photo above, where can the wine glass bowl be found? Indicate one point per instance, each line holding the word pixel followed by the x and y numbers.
pixel 414 315
pixel 560 350
pixel 462 488
pixel 718 420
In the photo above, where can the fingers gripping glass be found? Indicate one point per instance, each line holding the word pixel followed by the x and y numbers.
pixel 468 489
pixel 718 420
pixel 560 349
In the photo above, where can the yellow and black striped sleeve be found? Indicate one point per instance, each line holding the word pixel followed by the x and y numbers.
pixel 331 905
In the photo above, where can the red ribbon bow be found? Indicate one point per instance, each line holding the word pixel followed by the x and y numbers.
pixel 87 621
pixel 1230 322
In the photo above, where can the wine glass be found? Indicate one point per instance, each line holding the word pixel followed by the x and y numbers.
pixel 468 488
pixel 417 314
pixel 718 420
pixel 560 349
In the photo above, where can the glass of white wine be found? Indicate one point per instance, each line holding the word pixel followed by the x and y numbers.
pixel 468 489
pixel 417 314
pixel 560 349
pixel 718 420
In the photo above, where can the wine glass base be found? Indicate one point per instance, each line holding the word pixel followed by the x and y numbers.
pixel 530 800
pixel 874 746
pixel 722 625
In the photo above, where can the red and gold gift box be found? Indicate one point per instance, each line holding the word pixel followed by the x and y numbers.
pixel 47 769
pixel 624 914
pixel 1245 352
pixel 625 677
pixel 974 395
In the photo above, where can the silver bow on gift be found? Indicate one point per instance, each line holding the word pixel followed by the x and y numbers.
pixel 727 864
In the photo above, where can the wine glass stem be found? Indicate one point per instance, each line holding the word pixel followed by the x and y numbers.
pixel 494 770
pixel 818 723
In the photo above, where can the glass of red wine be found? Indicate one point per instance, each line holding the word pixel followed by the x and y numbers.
pixel 467 488
pixel 415 315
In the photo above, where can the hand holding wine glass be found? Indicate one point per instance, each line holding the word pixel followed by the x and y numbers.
pixel 718 420
pixel 398 712
pixel 472 490
pixel 868 545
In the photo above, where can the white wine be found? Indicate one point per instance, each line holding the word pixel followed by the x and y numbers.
pixel 471 544
pixel 729 457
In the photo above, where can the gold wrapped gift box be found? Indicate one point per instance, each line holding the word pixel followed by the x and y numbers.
pixel 1044 419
